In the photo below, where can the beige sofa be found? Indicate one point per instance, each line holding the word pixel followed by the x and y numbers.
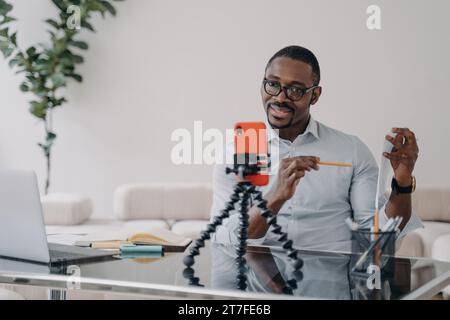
pixel 185 209
pixel 433 207
pixel 433 241
pixel 182 208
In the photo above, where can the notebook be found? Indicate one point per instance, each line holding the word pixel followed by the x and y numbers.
pixel 150 236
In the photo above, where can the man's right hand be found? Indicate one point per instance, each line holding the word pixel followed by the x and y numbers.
pixel 289 175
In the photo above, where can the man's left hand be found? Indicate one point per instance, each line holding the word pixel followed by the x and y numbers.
pixel 403 156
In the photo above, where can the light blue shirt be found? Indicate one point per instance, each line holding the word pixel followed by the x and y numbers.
pixel 315 216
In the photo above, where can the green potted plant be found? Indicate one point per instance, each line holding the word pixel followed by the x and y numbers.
pixel 47 68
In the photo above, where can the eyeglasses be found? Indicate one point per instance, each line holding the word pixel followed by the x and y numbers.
pixel 274 88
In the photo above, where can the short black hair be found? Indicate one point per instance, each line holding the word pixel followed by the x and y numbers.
pixel 300 54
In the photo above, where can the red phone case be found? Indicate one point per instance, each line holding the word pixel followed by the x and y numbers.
pixel 250 138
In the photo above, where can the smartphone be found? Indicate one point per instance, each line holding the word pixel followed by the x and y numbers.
pixel 251 150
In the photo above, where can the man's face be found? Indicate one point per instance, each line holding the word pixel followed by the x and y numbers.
pixel 282 112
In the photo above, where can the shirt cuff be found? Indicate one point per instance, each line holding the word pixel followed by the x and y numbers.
pixel 413 223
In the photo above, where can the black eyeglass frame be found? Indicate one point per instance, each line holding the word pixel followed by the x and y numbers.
pixel 286 88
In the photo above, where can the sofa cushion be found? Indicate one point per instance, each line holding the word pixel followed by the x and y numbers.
pixel 190 228
pixel 66 209
pixel 432 204
pixel 441 251
pixel 431 231
pixel 187 201
pixel 411 246
pixel 163 201
pixel 441 248
pixel 139 201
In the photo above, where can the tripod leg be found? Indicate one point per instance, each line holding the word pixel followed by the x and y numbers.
pixel 189 260
pixel 242 245
pixel 286 243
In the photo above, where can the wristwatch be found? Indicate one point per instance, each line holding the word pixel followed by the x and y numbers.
pixel 403 190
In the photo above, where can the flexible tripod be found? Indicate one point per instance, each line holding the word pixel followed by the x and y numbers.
pixel 246 194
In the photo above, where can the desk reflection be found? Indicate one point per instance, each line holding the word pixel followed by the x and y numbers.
pixel 325 276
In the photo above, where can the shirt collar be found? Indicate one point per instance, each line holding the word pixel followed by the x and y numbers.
pixel 312 128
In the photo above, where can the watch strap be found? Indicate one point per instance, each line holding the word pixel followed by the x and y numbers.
pixel 403 190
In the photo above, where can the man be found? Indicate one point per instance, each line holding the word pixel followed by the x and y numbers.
pixel 312 204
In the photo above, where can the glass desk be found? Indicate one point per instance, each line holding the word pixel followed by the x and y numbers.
pixel 324 275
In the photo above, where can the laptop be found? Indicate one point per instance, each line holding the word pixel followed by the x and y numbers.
pixel 22 228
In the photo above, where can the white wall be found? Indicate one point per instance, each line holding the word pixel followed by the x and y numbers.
pixel 161 64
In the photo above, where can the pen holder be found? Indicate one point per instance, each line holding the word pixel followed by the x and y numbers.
pixel 378 247
pixel 372 263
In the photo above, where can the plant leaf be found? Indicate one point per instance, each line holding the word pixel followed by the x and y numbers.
pixel 87 25
pixel 13 62
pixel 5 8
pixel 80 44
pixel 7 19
pixel 38 109
pixel 13 39
pixel 58 80
pixel 6 48
pixel 4 32
pixel 77 59
pixel 31 51
pixel 24 87
pixel 60 4
pixel 75 76
pixel 53 23
pixel 96 6
pixel 109 7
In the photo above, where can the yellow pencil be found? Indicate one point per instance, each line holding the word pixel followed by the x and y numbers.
pixel 376 230
pixel 335 164
pixel 376 223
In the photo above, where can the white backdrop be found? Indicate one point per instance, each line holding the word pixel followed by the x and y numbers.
pixel 162 64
